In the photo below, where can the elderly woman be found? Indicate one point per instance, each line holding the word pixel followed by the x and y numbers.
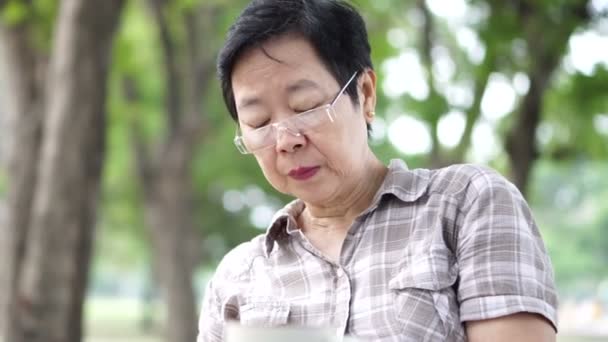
pixel 381 253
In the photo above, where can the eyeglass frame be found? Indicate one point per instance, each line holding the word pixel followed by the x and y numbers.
pixel 239 140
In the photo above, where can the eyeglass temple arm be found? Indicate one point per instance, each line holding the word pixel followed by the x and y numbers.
pixel 344 88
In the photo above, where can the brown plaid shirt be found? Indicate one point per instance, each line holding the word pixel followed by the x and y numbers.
pixel 434 249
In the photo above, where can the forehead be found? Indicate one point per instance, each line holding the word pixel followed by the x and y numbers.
pixel 277 63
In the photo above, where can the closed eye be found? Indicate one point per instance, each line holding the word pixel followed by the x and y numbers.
pixel 260 125
pixel 255 123
pixel 306 108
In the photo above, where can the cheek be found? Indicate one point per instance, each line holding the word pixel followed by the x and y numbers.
pixel 338 154
pixel 268 165
pixel 350 134
pixel 346 150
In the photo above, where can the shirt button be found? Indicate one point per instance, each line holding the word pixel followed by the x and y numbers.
pixel 340 272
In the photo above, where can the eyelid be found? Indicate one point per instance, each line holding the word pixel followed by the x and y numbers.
pixel 254 123
pixel 308 108
pixel 316 102
pixel 261 125
pixel 296 111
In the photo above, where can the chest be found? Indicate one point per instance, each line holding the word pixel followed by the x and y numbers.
pixel 326 238
pixel 327 245
pixel 395 281
pixel 392 296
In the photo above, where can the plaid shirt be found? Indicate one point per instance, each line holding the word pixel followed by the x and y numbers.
pixel 435 248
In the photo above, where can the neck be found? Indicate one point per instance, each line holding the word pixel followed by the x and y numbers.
pixel 340 212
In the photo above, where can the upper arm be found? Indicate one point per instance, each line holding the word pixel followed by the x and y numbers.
pixel 220 301
pixel 504 268
pixel 517 327
pixel 210 324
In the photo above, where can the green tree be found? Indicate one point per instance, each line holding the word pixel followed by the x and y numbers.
pixel 527 39
pixel 54 162
pixel 165 119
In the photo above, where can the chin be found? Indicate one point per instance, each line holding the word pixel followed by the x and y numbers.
pixel 311 196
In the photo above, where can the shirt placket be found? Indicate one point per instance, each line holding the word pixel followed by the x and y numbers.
pixel 341 288
pixel 343 295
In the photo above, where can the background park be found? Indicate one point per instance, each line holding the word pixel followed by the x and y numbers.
pixel 120 188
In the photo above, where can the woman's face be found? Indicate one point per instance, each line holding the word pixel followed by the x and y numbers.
pixel 284 78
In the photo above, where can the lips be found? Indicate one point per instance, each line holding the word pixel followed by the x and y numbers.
pixel 303 173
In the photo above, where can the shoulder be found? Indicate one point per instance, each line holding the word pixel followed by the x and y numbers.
pixel 468 182
pixel 460 184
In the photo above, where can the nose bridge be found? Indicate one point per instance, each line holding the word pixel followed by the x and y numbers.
pixel 287 126
pixel 287 136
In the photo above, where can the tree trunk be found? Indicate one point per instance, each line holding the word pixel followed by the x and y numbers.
pixel 167 188
pixel 4 272
pixel 23 110
pixel 165 172
pixel 168 213
pixel 546 46
pixel 53 280
pixel 521 141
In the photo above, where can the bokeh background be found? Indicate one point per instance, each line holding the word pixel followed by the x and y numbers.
pixel 120 188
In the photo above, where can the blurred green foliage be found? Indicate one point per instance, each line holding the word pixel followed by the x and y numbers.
pixel 14 12
pixel 569 201
pixel 39 15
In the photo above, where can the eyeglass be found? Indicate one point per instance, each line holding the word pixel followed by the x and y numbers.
pixel 298 124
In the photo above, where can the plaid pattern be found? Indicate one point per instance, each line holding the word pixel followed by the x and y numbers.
pixel 435 248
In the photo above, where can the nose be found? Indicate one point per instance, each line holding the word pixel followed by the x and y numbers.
pixel 289 140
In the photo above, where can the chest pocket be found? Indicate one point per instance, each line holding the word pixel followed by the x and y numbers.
pixel 264 312
pixel 424 300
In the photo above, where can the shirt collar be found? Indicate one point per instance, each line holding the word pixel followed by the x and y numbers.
pixel 407 185
pixel 283 224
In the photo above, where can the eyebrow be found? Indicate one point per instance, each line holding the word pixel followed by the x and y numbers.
pixel 249 102
pixel 302 84
pixel 295 87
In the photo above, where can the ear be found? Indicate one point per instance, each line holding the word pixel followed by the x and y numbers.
pixel 368 94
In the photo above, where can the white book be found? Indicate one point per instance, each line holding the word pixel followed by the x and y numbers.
pixel 239 333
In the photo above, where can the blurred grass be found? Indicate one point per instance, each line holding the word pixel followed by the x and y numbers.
pixel 109 319
pixel 561 338
pixel 119 320
pixel 123 339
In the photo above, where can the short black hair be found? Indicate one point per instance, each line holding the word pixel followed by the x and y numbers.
pixel 334 28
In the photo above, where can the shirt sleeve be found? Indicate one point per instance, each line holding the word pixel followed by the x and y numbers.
pixel 221 298
pixel 210 325
pixel 504 267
